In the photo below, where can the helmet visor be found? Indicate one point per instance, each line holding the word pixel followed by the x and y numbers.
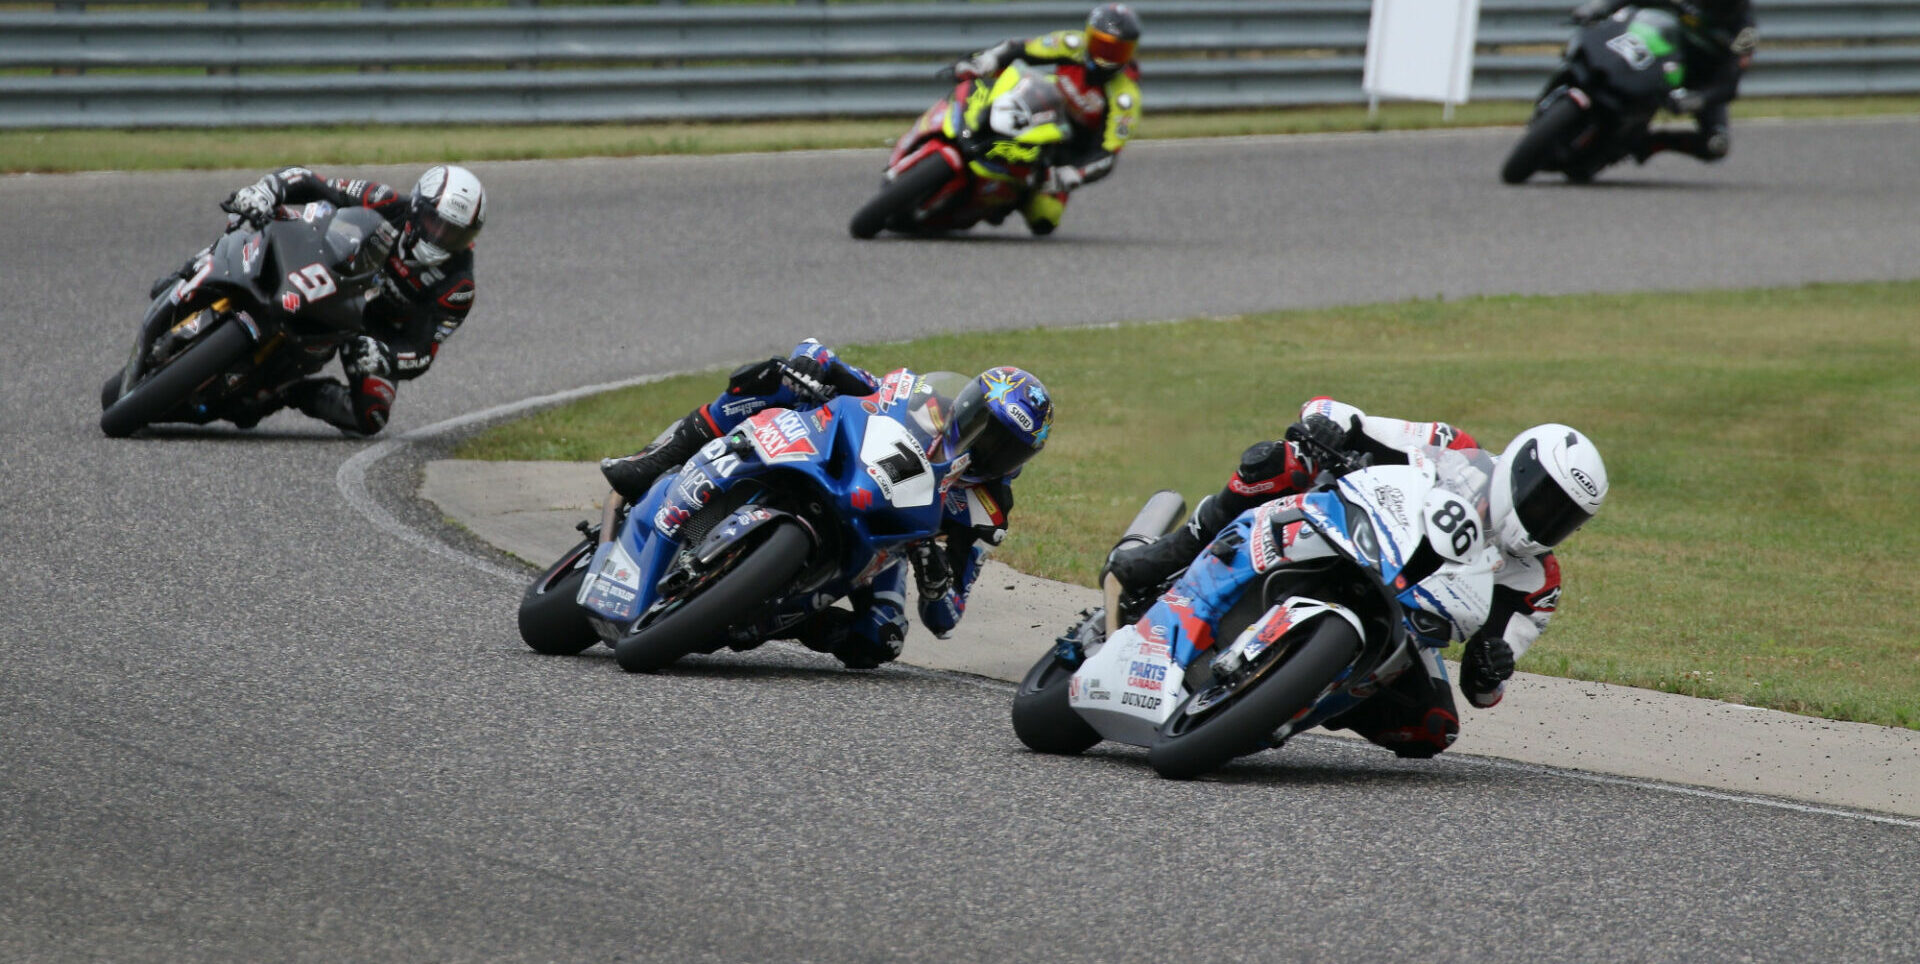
pixel 1107 50
pixel 1542 506
pixel 997 450
pixel 441 233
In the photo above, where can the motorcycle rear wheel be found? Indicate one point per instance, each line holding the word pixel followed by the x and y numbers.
pixel 905 191
pixel 1546 134
pixel 1043 719
pixel 1189 746
pixel 169 386
pixel 756 575
pixel 551 621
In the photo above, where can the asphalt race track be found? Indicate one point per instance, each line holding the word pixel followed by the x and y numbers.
pixel 238 721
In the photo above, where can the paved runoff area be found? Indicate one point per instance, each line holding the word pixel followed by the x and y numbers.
pixel 529 509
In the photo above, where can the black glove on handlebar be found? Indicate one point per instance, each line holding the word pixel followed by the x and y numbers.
pixel 808 377
pixel 810 367
pixel 1322 443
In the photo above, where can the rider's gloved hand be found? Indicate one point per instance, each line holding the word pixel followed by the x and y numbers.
pixel 255 202
pixel 1684 101
pixel 1486 664
pixel 366 355
pixel 1590 11
pixel 1313 438
pixel 1324 431
pixel 976 66
pixel 932 573
pixel 1061 180
pixel 813 370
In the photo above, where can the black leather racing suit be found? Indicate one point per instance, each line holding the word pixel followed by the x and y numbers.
pixel 1720 40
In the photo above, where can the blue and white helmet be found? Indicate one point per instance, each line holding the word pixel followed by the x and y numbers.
pixel 1001 419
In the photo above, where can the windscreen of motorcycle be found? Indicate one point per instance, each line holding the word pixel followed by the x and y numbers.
pixel 930 407
pixel 358 240
pixel 1033 104
pixel 1462 477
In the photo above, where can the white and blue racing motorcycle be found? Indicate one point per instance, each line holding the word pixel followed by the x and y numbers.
pixel 1300 609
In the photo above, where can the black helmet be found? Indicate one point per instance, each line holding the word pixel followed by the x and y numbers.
pixel 1002 419
pixel 1113 33
pixel 444 214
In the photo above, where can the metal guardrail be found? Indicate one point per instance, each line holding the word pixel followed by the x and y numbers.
pixel 543 64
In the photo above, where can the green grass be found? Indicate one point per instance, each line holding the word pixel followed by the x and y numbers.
pixel 74 150
pixel 1759 542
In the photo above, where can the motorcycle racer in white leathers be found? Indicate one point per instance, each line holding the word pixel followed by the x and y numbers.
pixel 1547 483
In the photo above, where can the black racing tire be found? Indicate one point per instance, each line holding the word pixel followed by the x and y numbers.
pixel 1546 134
pixel 1042 718
pixel 1185 748
pixel 551 621
pixel 901 194
pixel 110 390
pixel 169 386
pixel 756 575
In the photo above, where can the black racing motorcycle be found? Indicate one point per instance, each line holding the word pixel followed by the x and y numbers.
pixel 1617 74
pixel 265 306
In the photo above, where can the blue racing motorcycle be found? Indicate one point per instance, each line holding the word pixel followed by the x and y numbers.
pixel 762 528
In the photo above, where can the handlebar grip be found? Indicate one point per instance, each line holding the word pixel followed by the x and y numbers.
pixel 819 391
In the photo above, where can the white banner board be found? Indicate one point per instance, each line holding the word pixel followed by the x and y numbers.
pixel 1421 50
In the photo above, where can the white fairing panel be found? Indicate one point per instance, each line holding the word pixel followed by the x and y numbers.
pixel 1393 496
pixel 897 464
pixel 1128 688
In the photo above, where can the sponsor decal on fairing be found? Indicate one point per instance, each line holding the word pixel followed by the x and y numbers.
pixel 1143 675
pixel 780 436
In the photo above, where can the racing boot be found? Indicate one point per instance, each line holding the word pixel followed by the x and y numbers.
pixel 633 475
pixel 836 632
pixel 1142 569
pixel 327 400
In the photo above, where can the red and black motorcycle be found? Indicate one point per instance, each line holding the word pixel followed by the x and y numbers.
pixel 972 157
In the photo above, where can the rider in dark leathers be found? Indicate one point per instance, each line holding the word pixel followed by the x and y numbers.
pixel 427 287
pixel 1100 81
pixel 1415 716
pixel 976 506
pixel 1720 38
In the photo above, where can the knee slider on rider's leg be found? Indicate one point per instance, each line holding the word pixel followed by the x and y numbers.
pixel 1043 212
pixel 1717 145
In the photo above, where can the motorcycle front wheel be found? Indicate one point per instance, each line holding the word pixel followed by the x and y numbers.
pixel 899 196
pixel 1042 718
pixel 1193 743
pixel 175 381
pixel 550 620
pixel 1545 135
pixel 756 575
